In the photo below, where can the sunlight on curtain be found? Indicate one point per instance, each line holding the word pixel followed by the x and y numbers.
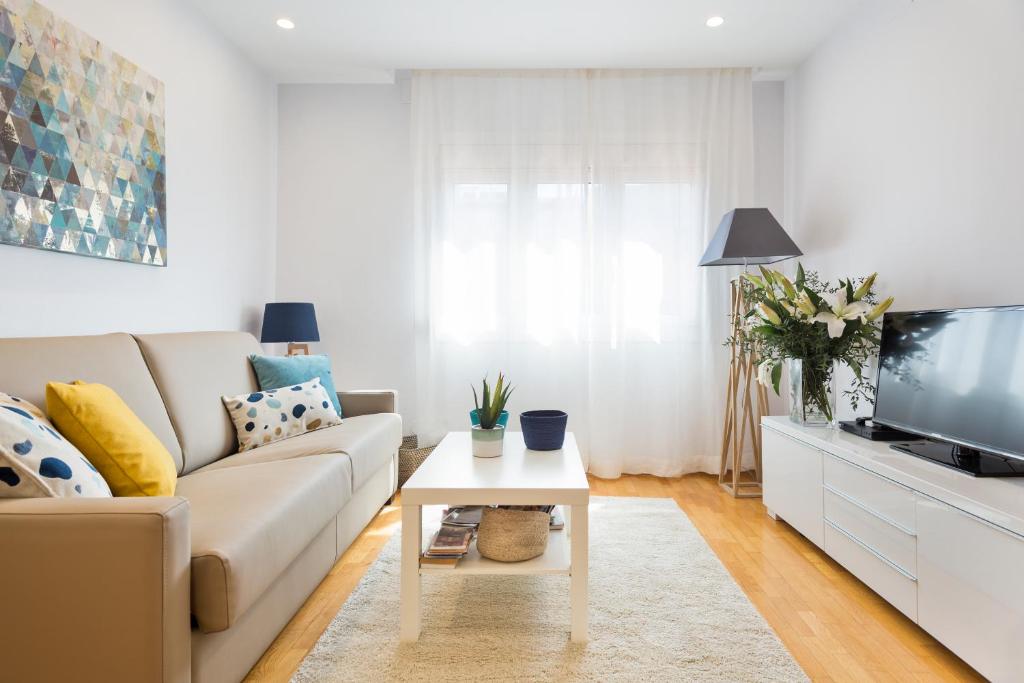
pixel 559 220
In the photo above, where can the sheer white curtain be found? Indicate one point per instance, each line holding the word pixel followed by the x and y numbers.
pixel 560 216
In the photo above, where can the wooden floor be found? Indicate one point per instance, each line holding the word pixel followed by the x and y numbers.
pixel 835 627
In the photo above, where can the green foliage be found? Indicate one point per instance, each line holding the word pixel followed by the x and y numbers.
pixel 489 410
pixel 793 320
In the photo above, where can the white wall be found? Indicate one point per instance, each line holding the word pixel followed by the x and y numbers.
pixel 345 216
pixel 907 151
pixel 769 147
pixel 221 148
pixel 769 169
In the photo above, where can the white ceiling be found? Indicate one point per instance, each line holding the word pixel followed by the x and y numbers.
pixel 366 40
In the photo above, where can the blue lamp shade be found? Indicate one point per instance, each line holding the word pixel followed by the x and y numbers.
pixel 289 322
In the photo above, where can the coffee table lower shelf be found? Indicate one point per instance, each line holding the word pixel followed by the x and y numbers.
pixel 555 560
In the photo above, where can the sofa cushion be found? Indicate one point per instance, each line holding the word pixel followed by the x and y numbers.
pixel 372 442
pixel 249 523
pixel 37 462
pixel 369 440
pixel 274 372
pixel 118 444
pixel 26 365
pixel 193 370
pixel 263 417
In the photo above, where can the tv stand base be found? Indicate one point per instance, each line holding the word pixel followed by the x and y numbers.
pixel 970 461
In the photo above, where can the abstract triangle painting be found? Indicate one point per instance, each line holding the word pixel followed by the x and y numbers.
pixel 78 122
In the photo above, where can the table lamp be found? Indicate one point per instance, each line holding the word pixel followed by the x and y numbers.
pixel 744 237
pixel 291 323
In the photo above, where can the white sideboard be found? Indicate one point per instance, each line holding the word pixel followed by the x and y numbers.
pixel 944 548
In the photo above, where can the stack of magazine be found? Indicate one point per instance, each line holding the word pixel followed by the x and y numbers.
pixel 449 545
pixel 458 528
pixel 467 516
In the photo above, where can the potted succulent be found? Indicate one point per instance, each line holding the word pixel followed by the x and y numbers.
pixel 489 434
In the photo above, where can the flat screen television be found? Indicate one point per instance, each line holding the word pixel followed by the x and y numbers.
pixel 956 377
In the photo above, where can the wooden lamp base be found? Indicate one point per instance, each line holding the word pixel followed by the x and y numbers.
pixel 298 349
pixel 741 416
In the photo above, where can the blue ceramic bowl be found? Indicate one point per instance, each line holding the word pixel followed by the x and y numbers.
pixel 502 419
pixel 543 430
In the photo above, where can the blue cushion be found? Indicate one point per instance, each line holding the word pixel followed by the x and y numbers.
pixel 275 372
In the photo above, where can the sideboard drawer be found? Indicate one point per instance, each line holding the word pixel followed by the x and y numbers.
pixel 891 583
pixel 886 499
pixel 891 542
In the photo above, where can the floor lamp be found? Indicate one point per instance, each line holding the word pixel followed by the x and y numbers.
pixel 745 237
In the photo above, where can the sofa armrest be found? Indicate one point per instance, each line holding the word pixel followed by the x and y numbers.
pixel 95 589
pixel 354 403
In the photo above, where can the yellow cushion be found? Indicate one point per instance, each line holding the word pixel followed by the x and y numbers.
pixel 118 444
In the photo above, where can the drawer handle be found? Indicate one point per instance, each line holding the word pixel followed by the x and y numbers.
pixel 865 508
pixel 865 546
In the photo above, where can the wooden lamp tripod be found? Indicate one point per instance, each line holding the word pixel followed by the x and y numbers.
pixel 742 414
pixel 744 237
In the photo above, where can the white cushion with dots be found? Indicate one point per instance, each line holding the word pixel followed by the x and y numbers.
pixel 262 417
pixel 37 462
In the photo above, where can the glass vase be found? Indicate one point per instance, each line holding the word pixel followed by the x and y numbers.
pixel 812 391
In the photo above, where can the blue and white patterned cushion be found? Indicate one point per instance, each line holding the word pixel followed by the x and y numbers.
pixel 37 462
pixel 263 417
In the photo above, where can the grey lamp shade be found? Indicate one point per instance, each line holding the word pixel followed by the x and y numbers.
pixel 749 236
pixel 289 322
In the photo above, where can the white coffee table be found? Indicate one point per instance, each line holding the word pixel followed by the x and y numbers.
pixel 452 476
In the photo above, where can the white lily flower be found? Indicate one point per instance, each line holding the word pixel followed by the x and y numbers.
pixel 805 305
pixel 764 373
pixel 841 312
pixel 768 314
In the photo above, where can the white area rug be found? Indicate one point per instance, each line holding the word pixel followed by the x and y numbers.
pixel 662 608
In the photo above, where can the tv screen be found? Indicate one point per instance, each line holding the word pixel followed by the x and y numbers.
pixel 955 375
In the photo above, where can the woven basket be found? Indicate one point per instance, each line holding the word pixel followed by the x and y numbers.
pixel 410 457
pixel 512 535
pixel 543 430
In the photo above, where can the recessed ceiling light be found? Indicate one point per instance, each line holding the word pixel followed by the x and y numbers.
pixel 286 23
pixel 714 22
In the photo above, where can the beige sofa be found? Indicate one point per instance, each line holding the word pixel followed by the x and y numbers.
pixel 193 587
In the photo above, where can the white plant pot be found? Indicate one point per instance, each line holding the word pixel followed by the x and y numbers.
pixel 487 443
